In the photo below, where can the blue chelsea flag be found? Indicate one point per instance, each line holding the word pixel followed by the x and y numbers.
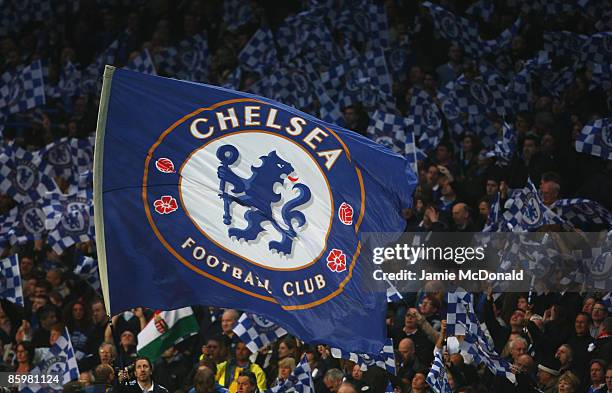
pixel 205 195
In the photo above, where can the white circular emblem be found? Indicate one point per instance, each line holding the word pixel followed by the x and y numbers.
pixel 59 155
pixel 74 219
pixel 386 141
pixel 261 321
pixel 33 219
pixel 285 169
pixel 26 177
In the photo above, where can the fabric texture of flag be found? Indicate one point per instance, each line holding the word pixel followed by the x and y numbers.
pixel 426 120
pixel 87 269
pixel 259 54
pixel 90 78
pixel 257 332
pixel 385 359
pixel 525 211
pixel 596 139
pixel 142 63
pixel 69 220
pixel 583 213
pixel 166 329
pixel 22 175
pixel 10 280
pixel 235 152
pixel 236 13
pixel 462 320
pixel 24 89
pixel 59 361
pixel 465 33
pixel 436 378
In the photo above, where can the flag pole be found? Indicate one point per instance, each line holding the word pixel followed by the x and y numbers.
pixel 97 185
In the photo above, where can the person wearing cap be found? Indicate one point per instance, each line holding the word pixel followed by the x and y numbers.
pixel 548 374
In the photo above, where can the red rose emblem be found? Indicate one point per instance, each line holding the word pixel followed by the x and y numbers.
pixel 165 165
pixel 345 213
pixel 166 205
pixel 336 261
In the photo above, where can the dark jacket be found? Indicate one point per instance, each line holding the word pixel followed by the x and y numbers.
pixel 133 387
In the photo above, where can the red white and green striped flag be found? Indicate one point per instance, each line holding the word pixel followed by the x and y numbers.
pixel 166 329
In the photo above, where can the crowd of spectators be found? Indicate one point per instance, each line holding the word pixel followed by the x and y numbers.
pixel 556 342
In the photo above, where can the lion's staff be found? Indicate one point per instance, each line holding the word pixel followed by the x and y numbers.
pixel 227 154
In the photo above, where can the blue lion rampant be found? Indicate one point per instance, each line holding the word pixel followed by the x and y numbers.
pixel 257 193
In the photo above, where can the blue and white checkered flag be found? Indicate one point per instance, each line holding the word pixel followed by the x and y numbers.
pixel 350 76
pixel 21 176
pixel 30 225
pixel 69 220
pixel 259 54
pixel 548 9
pixel 236 13
pixel 494 217
pixel 257 332
pixel 329 111
pixel 450 110
pixel 583 213
pixel 465 33
pixel 482 9
pixel 520 87
pixel 598 49
pixel 389 130
pixel 504 148
pixel 389 388
pixel 292 84
pixel 297 30
pixel 601 76
pixel 91 78
pixel 24 89
pixel 59 361
pixel 413 153
pixel 87 268
pixel 300 380
pixel 596 139
pixel 564 44
pixel 461 320
pixel 436 378
pixel 397 59
pixel 459 313
pixel 142 63
pixel 69 82
pixel 8 222
pixel 385 359
pixel 426 120
pixel 365 23
pixel 233 79
pixel 476 345
pixel 188 60
pixel 393 294
pixel 194 58
pixel 10 280
pixel 525 211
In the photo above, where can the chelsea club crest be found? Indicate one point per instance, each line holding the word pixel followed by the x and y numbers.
pixel 259 199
